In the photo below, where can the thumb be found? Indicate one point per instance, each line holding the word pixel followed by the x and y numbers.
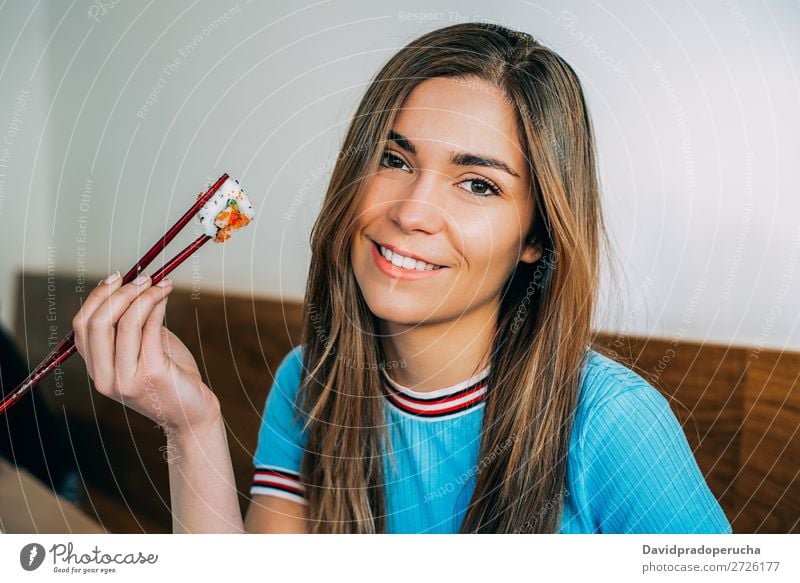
pixel 153 350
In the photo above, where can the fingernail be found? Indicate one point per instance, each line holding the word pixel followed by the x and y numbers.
pixel 141 278
pixel 111 278
pixel 164 282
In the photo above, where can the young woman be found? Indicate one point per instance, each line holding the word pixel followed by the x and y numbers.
pixel 446 380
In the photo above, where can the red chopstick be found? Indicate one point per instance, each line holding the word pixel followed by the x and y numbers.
pixel 66 347
pixel 148 257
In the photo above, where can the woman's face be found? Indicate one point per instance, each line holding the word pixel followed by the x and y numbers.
pixel 453 191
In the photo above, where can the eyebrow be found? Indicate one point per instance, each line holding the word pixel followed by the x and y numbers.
pixel 457 158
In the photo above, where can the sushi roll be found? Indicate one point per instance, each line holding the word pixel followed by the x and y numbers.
pixel 227 210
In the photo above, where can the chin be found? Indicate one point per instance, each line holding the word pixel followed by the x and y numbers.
pixel 397 310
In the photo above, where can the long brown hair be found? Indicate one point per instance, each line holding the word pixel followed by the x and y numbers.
pixel 543 329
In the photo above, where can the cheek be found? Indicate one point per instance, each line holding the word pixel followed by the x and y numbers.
pixel 375 200
pixel 490 247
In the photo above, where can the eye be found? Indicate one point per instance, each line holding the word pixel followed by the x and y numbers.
pixel 393 161
pixel 482 187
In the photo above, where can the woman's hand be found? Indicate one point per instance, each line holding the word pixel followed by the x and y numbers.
pixel 135 360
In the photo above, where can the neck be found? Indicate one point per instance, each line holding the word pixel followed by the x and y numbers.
pixel 427 357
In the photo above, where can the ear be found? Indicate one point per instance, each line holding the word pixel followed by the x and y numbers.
pixel 531 252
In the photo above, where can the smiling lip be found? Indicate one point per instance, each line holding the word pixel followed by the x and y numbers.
pixel 405 253
pixel 392 270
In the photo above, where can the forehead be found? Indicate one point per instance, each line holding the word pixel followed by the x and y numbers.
pixel 461 114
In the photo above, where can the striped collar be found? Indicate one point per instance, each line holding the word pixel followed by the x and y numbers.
pixel 447 402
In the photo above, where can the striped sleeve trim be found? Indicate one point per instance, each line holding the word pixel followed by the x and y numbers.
pixel 276 481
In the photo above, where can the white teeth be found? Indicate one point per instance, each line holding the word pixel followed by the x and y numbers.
pixel 407 262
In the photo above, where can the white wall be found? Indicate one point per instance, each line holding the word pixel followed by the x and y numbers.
pixel 695 109
pixel 25 179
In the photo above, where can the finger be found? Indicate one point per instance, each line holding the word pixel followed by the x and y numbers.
pixel 80 322
pixel 98 295
pixel 100 331
pixel 130 328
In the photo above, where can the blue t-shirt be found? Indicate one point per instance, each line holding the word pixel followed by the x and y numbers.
pixel 629 470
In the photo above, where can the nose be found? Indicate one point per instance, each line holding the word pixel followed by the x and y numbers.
pixel 419 206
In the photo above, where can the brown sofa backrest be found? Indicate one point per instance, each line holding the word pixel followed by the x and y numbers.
pixel 740 407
